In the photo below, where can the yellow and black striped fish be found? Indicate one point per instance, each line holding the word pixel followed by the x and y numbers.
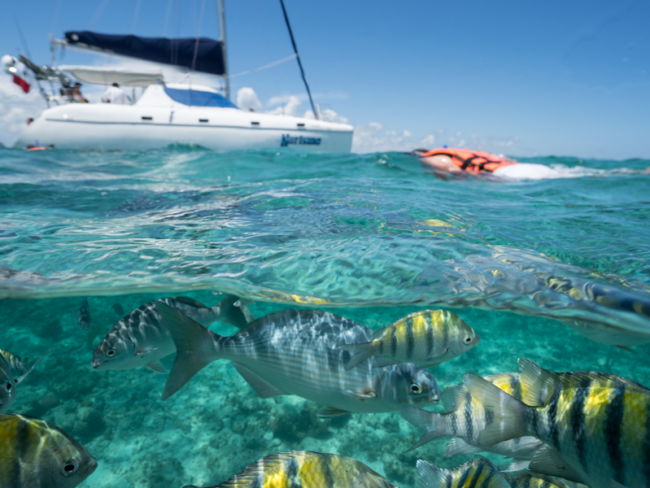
pixel 477 473
pixel 466 418
pixel 37 454
pixel 533 480
pixel 305 469
pixel 596 426
pixel 13 371
pixel 425 338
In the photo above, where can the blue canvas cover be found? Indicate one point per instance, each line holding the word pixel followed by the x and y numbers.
pixel 198 98
pixel 178 52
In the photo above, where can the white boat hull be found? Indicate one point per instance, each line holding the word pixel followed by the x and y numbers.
pixel 138 127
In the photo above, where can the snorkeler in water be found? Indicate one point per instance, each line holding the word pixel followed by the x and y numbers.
pixel 450 161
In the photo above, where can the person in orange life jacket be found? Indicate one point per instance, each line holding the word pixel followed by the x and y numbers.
pixel 449 160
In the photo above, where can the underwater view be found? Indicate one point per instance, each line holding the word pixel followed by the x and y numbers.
pixel 303 266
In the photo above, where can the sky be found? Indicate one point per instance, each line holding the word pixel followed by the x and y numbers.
pixel 522 78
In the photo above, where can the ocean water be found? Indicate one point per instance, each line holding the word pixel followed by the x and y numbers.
pixel 370 237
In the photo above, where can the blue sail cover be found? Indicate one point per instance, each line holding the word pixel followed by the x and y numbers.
pixel 178 52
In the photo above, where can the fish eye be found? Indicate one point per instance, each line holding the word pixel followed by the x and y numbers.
pixel 8 385
pixel 468 340
pixel 69 467
pixel 110 353
pixel 415 388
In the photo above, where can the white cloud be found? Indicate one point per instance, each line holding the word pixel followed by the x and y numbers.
pixel 328 115
pixel 16 107
pixel 372 137
pixel 289 108
pixel 247 99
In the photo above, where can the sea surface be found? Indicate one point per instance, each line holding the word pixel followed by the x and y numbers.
pixel 370 237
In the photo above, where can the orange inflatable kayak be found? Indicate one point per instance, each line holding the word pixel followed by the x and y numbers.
pixel 467 160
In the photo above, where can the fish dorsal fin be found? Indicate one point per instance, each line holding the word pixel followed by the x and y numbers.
pixel 331 412
pixel 157 367
pixel 21 378
pixel 458 446
pixel 431 476
pixel 262 387
pixel 453 397
pixel 377 334
pixel 189 301
pixel 537 384
pixel 549 462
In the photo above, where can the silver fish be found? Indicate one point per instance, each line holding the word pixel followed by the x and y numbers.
pixel 13 371
pixel 37 454
pixel 296 352
pixel 84 315
pixel 118 309
pixel 142 339
pixel 466 418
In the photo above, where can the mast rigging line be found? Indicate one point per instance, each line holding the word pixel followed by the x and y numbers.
pixel 295 49
pixel 266 66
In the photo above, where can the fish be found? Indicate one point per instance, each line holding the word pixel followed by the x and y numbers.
pixel 595 425
pixel 13 371
pixel 84 315
pixel 534 480
pixel 306 469
pixel 465 418
pixel 141 338
pixel 37 454
pixel 425 338
pixel 118 309
pixel 477 473
pixel 296 352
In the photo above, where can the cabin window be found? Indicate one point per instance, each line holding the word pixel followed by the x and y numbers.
pixel 301 125
pixel 255 123
pixel 198 98
pixel 204 121
pixel 147 118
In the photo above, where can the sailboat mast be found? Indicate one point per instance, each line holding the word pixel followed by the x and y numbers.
pixel 222 27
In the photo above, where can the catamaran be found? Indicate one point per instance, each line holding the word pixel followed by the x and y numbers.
pixel 166 113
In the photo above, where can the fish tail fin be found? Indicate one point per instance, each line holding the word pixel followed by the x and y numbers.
pixel 233 311
pixel 27 371
pixel 508 412
pixel 195 347
pixel 359 353
pixel 431 476
pixel 432 422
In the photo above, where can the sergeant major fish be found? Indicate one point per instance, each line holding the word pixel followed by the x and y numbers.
pixel 13 371
pixel 596 426
pixel 305 469
pixel 297 352
pixel 466 418
pixel 426 338
pixel 477 473
pixel 37 454
pixel 142 339
pixel 84 315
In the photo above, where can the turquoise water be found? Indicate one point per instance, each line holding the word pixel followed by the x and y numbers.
pixel 370 237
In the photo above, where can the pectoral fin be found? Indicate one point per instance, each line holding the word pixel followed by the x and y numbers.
pixel 22 377
pixel 157 367
pixel 549 462
pixel 142 352
pixel 364 394
pixel 331 412
pixel 262 387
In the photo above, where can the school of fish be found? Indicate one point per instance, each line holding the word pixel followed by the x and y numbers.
pixel 560 430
